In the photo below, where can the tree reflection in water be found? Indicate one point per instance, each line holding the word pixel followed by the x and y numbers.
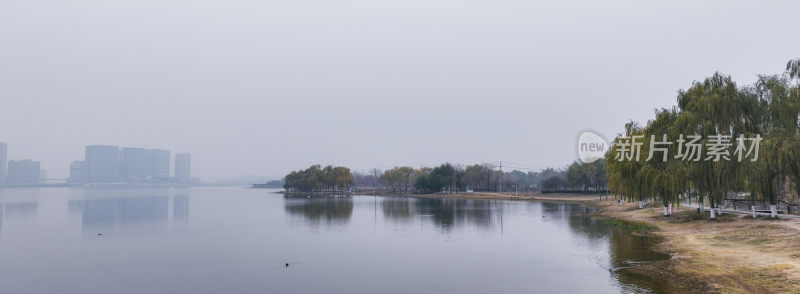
pixel 612 248
pixel 452 213
pixel 626 249
pixel 333 210
pixel 398 209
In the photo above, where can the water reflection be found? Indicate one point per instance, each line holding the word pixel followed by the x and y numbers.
pixel 75 208
pixel 446 214
pixel 631 250
pixel 418 245
pixel 398 209
pixel 17 211
pixel 626 249
pixel 21 210
pixel 450 213
pixel 180 213
pixel 316 210
pixel 609 247
pixel 144 214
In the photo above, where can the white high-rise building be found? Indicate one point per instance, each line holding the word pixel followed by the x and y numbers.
pixel 3 161
pixel 102 163
pixel 133 164
pixel 157 163
pixel 23 172
pixel 183 167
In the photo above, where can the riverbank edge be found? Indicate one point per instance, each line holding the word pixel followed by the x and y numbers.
pixel 690 268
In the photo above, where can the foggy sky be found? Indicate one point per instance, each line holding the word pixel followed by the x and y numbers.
pixel 264 87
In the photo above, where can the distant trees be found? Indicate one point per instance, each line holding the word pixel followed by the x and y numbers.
pixel 375 175
pixel 371 178
pixel 554 183
pixel 316 178
pixel 400 179
pixel 446 177
pixel 553 179
pixel 481 177
pixel 587 175
pixel 440 178
pixel 477 177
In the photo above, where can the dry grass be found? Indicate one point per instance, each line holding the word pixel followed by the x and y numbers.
pixel 730 255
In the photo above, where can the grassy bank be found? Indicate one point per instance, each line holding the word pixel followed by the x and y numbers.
pixel 735 254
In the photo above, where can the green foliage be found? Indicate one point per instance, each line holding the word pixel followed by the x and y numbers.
pixel 587 175
pixel 440 178
pixel 717 106
pixel 481 177
pixel 399 178
pixel 629 225
pixel 316 178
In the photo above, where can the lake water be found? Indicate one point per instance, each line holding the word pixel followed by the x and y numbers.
pixel 236 240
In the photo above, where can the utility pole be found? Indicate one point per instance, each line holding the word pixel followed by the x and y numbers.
pixel 501 177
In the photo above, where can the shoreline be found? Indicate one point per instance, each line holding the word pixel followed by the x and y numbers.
pixel 475 196
pixel 734 254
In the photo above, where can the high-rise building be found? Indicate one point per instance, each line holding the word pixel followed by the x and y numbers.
pixel 156 163
pixel 23 172
pixel 3 160
pixel 77 172
pixel 183 170
pixel 133 163
pixel 102 163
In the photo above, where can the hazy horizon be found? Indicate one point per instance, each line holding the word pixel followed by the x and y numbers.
pixel 263 88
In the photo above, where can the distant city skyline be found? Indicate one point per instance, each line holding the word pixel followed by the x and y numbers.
pixel 23 172
pixel 101 164
pixel 112 164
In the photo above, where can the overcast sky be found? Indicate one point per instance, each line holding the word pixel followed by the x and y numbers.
pixel 262 87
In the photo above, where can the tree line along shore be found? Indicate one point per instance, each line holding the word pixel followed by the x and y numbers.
pixel 447 178
pixel 716 111
pixel 709 109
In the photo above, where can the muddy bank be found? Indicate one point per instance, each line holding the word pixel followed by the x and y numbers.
pixel 735 254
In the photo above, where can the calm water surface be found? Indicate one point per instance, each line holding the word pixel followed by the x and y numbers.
pixel 234 240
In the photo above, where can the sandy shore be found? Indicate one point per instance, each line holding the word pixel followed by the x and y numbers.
pixel 735 254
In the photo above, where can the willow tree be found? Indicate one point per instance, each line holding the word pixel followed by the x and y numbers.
pixel 316 178
pixel 778 156
pixel 712 117
pixel 625 174
pixel 667 175
pixel 793 73
pixel 710 110
pixel 399 178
